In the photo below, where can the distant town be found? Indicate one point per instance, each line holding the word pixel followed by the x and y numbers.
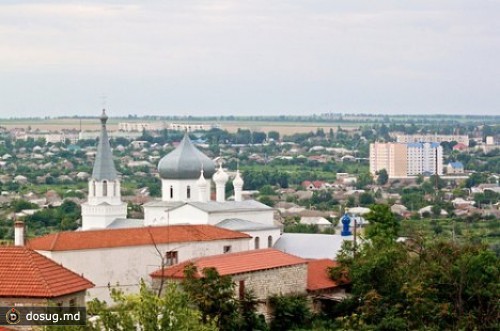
pixel 327 214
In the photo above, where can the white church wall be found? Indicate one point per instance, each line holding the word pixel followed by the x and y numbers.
pixel 123 267
pixel 179 190
pixel 267 238
pixel 189 214
pixel 157 215
pixel 100 216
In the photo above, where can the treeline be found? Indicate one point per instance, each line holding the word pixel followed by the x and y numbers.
pixel 43 221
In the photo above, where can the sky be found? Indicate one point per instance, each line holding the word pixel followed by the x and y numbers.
pixel 249 57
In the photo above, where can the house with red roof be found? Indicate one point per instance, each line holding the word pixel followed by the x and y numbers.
pixel 31 279
pixel 460 147
pixel 313 185
pixel 264 272
pixel 320 287
pixel 120 258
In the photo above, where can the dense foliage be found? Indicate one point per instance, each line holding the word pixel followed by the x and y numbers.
pixel 420 284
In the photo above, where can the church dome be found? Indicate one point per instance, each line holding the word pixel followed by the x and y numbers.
pixel 220 176
pixel 185 162
pixel 202 182
pixel 238 181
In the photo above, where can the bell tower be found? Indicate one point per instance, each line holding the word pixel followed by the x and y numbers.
pixel 104 203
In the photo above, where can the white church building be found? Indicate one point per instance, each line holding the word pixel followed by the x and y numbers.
pixel 187 178
pixel 115 252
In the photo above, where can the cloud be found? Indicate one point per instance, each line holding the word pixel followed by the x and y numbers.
pixel 319 49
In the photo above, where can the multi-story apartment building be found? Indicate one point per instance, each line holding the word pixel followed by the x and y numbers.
pixel 426 138
pixel 404 160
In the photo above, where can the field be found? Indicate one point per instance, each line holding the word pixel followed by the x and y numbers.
pixel 89 124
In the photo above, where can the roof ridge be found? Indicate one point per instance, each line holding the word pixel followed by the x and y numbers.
pixel 54 242
pixel 121 237
pixel 67 269
pixel 38 270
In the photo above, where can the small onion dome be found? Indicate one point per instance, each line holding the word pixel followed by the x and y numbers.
pixel 185 162
pixel 220 176
pixel 238 181
pixel 201 182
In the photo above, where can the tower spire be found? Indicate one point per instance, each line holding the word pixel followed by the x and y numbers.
pixel 104 167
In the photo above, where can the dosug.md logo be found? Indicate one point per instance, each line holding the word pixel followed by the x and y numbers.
pixel 13 316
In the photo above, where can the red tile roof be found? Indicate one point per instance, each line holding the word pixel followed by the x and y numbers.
pixel 26 273
pixel 460 146
pixel 317 275
pixel 234 263
pixel 109 238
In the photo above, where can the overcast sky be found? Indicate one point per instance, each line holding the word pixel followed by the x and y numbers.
pixel 249 57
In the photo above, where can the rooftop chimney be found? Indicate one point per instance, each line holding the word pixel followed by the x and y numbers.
pixel 19 233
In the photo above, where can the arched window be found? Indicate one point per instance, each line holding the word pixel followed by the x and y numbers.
pixel 171 192
pixel 104 188
pixel 188 193
pixel 270 241
pixel 257 242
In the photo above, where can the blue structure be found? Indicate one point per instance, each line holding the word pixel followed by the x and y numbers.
pixel 346 221
pixel 457 165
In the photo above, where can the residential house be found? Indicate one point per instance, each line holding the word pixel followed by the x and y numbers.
pixel 321 222
pixel 28 278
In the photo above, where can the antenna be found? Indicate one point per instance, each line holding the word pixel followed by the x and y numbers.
pixel 103 100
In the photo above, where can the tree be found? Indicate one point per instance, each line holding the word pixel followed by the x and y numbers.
pixel 213 294
pixel 19 204
pixel 383 177
pixel 383 224
pixel 366 199
pixel 476 179
pixel 436 210
pixel 364 179
pixel 351 201
pixel 422 284
pixel 289 312
pixel 274 135
pixel 145 311
pixel 265 199
pixel 249 319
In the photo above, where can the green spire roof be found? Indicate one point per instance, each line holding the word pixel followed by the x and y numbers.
pixel 104 167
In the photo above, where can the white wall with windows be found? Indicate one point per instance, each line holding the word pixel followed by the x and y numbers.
pixel 124 267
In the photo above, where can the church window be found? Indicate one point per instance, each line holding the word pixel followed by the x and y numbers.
pixel 270 241
pixel 188 192
pixel 171 258
pixel 104 188
pixel 171 192
pixel 257 242
pixel 93 188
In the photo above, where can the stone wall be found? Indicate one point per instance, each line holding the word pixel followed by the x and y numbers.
pixel 284 280
pixel 277 281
